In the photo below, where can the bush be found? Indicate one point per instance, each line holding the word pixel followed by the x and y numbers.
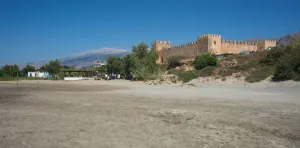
pixel 273 56
pixel 288 66
pixel 205 60
pixel 207 71
pixel 173 62
pixel 184 76
pixel 188 75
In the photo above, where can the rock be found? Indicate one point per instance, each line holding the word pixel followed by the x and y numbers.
pixel 209 126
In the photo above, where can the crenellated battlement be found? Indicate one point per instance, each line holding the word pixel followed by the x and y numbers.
pixel 209 35
pixel 270 41
pixel 161 42
pixel 238 42
pixel 183 45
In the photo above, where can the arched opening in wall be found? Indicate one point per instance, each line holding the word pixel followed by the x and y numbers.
pixel 215 42
pixel 162 59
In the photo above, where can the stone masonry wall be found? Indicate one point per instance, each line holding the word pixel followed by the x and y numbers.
pixel 235 47
pixel 186 51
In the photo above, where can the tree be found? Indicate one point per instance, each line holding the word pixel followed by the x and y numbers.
pixel 10 70
pixel 103 69
pixel 151 61
pixel 144 62
pixel 27 69
pixel 53 68
pixel 128 65
pixel 42 69
pixel 140 51
pixel 114 65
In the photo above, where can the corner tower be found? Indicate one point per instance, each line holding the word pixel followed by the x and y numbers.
pixel 159 46
pixel 265 44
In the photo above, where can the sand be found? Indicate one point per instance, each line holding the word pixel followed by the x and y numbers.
pixel 121 114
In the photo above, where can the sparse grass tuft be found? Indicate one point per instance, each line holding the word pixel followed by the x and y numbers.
pixel 184 76
pixel 259 74
pixel 207 71
pixel 188 75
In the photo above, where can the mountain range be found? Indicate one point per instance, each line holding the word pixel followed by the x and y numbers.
pixel 85 59
pixel 92 57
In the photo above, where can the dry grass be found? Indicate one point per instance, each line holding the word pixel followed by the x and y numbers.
pixel 247 65
pixel 259 74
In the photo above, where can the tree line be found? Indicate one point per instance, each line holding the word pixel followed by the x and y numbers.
pixel 53 67
pixel 139 65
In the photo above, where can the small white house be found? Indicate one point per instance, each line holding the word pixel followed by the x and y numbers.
pixel 38 74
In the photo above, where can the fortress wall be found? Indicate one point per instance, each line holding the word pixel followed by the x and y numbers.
pixel 229 46
pixel 203 44
pixel 188 50
pixel 269 43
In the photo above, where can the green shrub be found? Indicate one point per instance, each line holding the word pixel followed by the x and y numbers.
pixel 184 76
pixel 188 75
pixel 205 60
pixel 273 56
pixel 173 62
pixel 207 71
pixel 288 66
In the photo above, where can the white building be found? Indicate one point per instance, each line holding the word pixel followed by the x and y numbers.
pixel 39 74
pixel 99 64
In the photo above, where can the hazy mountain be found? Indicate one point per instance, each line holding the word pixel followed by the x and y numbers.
pixel 93 56
pixel 85 59
pixel 284 40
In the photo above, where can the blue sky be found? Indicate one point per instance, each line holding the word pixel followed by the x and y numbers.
pixel 35 30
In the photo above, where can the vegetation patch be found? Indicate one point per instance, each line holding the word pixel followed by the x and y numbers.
pixel 173 62
pixel 259 74
pixel 188 75
pixel 184 76
pixel 207 71
pixel 205 60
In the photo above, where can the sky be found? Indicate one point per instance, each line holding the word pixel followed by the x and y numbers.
pixel 39 30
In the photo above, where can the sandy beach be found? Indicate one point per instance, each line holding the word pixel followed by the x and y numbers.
pixel 124 114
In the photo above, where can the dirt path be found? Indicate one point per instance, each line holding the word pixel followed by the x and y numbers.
pixel 123 114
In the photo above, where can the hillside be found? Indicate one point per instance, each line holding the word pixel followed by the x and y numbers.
pixel 92 57
pixel 284 40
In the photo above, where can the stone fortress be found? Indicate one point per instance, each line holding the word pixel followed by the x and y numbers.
pixel 208 43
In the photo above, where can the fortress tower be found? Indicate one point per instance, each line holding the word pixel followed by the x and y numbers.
pixel 210 43
pixel 159 46
pixel 265 44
